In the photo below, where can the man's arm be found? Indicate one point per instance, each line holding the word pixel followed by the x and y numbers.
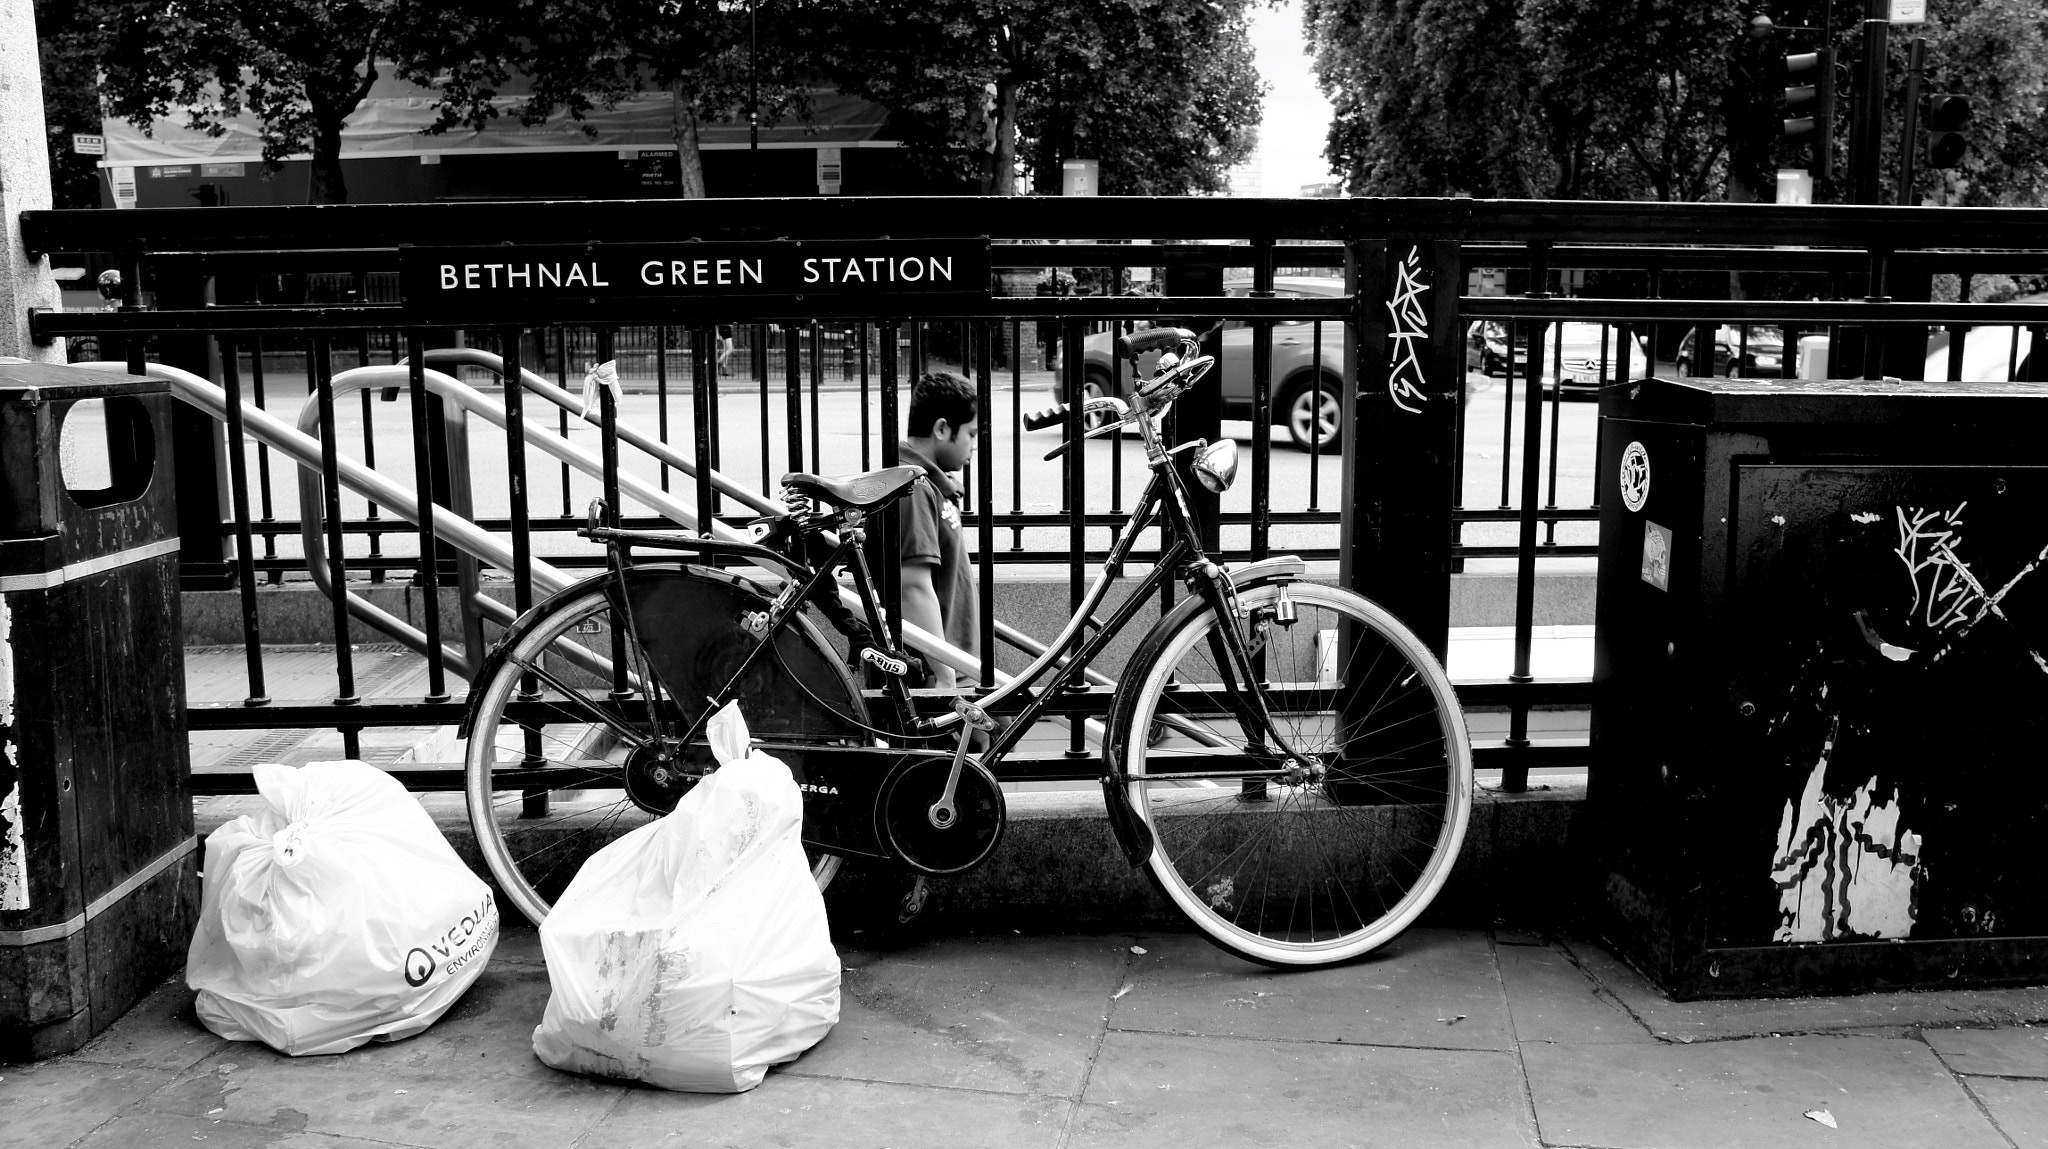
pixel 921 608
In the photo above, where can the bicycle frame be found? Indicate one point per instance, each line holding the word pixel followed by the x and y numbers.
pixel 1164 498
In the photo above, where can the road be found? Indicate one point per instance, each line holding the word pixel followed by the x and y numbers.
pixel 1023 480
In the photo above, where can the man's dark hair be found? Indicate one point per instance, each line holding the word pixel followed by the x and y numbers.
pixel 940 395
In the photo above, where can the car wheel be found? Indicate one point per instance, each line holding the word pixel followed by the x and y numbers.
pixel 1313 413
pixel 1098 386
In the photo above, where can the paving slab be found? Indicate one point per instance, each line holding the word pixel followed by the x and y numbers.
pixel 2021 1052
pixel 471 1080
pixel 1176 1092
pixel 792 1111
pixel 2018 1108
pixel 1016 1015
pixel 1550 998
pixel 146 1129
pixel 1722 1018
pixel 158 1032
pixel 55 1103
pixel 1752 1092
pixel 1428 988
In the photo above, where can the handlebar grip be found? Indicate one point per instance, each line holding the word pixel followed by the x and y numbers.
pixel 1158 339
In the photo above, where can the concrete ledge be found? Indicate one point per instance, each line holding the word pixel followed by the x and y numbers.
pixel 1059 869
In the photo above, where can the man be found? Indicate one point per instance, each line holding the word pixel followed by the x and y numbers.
pixel 937 577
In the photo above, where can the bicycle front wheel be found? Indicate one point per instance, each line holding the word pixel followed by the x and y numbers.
pixel 1317 857
pixel 563 756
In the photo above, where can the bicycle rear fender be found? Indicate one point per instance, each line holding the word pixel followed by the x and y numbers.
pixel 520 626
pixel 1124 820
pixel 689 622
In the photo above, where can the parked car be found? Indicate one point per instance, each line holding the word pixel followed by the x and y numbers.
pixel 1307 396
pixel 1760 353
pixel 1591 352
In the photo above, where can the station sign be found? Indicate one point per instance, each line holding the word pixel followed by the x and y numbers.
pixel 533 282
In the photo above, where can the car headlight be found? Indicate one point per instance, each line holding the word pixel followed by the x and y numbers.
pixel 1763 360
pixel 1216 465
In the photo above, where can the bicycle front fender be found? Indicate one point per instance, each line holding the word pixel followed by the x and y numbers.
pixel 1129 826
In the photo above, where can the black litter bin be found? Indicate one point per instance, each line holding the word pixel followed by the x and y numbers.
pixel 1821 684
pixel 98 868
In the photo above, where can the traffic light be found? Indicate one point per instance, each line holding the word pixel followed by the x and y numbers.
pixel 1946 144
pixel 1810 105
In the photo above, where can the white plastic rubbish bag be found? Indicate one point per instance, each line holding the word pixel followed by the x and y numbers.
pixel 337 916
pixel 692 953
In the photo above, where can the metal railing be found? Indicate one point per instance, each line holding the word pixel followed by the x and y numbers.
pixel 1442 465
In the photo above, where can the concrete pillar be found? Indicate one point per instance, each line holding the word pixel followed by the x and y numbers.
pixel 24 182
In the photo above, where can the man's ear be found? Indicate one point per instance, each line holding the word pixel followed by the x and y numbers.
pixel 942 431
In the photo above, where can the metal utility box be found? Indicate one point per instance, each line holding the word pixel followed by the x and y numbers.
pixel 98 873
pixel 1821 683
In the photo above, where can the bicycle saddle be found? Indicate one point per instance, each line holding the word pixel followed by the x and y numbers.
pixel 863 492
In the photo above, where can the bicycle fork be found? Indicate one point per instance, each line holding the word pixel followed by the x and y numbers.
pixel 1263 737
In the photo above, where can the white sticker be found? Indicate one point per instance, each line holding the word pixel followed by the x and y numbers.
pixel 1657 555
pixel 290 844
pixel 1635 477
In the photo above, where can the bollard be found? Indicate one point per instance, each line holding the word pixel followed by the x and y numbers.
pixel 98 871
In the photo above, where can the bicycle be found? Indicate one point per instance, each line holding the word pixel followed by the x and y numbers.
pixel 1286 760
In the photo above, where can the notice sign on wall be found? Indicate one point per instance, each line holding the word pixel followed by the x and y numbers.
pixel 472 284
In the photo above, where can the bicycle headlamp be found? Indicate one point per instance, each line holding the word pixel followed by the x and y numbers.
pixel 1216 465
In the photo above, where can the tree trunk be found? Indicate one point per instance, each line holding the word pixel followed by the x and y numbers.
pixel 327 185
pixel 689 146
pixel 1005 182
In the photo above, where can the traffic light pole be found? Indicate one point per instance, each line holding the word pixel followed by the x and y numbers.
pixel 1909 143
pixel 1866 128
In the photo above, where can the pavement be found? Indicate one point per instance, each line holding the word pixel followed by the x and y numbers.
pixel 1447 1037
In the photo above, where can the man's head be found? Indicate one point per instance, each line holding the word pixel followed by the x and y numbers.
pixel 943 419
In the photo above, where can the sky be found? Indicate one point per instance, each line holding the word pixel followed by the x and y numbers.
pixel 1297 117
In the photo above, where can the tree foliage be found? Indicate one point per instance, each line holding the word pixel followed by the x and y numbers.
pixel 71 101
pixel 1163 93
pixel 301 67
pixel 1642 99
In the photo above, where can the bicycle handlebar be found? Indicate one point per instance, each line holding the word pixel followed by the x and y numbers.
pixel 1157 339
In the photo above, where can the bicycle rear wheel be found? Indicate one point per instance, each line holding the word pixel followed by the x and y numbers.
pixel 1296 866
pixel 562 757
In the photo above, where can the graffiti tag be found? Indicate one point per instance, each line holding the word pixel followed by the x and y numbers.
pixel 1410 326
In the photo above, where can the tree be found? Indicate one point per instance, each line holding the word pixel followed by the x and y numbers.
pixel 300 66
pixel 1627 99
pixel 71 102
pixel 1562 99
pixel 1162 92
pixel 589 54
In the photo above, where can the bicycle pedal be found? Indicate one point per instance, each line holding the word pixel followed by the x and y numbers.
pixel 913 901
pixel 974 716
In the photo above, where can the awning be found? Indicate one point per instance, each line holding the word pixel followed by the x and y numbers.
pixel 390 120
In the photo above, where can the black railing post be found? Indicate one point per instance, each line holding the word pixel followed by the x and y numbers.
pixel 238 486
pixel 429 580
pixel 1401 433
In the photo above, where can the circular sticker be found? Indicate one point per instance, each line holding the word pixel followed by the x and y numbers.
pixel 1635 477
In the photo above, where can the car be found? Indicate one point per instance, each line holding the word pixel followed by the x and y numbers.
pixel 1751 349
pixel 1590 352
pixel 1307 393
